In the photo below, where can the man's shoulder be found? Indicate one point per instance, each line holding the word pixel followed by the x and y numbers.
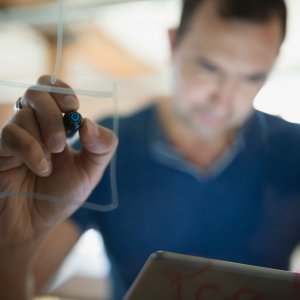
pixel 277 128
pixel 282 141
pixel 281 158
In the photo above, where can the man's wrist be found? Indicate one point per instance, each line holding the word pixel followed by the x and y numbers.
pixel 16 282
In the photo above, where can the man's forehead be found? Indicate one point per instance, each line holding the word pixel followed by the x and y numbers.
pixel 207 26
pixel 208 12
pixel 234 51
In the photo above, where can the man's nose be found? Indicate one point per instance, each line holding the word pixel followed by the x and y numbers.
pixel 224 91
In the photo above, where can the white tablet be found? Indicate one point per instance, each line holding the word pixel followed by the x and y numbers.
pixel 170 276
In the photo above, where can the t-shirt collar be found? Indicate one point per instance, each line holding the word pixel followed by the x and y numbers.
pixel 161 150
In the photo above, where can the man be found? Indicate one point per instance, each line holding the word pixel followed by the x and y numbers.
pixel 201 173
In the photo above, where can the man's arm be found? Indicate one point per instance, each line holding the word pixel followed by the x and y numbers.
pixel 36 163
pixel 22 275
pixel 16 282
pixel 53 252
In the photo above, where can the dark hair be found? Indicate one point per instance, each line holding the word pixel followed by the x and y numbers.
pixel 247 10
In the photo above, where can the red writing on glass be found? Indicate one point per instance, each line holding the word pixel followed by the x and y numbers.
pixel 212 289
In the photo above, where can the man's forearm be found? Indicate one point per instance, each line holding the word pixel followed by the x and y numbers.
pixel 16 284
pixel 16 279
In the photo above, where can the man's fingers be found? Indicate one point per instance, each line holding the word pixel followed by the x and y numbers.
pixel 48 109
pixel 8 163
pixel 99 145
pixel 21 144
pixel 26 119
pixel 66 102
pixel 49 117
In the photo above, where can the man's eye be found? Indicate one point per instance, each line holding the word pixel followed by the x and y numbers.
pixel 208 66
pixel 257 78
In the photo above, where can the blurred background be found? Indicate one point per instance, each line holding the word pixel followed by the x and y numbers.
pixel 122 44
pixel 105 42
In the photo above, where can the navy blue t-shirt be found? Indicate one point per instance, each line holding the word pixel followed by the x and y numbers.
pixel 247 209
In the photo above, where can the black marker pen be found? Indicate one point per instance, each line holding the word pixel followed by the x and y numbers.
pixel 72 122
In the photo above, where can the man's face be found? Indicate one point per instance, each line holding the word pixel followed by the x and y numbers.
pixel 219 67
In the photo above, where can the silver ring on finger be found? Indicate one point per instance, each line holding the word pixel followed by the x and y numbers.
pixel 18 106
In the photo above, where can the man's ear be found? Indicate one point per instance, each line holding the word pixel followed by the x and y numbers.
pixel 172 39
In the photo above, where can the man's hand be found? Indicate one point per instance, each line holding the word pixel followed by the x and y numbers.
pixel 34 158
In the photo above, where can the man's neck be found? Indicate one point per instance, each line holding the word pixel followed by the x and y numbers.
pixel 203 153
